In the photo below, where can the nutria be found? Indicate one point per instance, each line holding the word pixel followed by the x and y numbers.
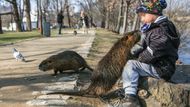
pixel 67 60
pixel 110 67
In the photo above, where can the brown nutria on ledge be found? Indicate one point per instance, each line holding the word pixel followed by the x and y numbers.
pixel 110 67
pixel 67 60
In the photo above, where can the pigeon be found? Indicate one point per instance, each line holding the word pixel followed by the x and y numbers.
pixel 18 56
pixel 75 32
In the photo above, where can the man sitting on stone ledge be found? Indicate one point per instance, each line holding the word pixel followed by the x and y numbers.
pixel 157 51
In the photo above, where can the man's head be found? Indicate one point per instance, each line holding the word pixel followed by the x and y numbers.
pixel 61 12
pixel 149 10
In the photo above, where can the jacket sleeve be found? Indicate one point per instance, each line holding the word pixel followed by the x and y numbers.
pixel 156 47
pixel 138 47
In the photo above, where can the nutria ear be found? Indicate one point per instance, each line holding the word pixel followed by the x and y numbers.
pixel 130 37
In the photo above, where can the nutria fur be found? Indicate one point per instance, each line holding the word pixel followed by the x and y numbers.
pixel 110 67
pixel 67 60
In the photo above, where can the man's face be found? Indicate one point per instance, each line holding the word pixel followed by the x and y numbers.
pixel 147 18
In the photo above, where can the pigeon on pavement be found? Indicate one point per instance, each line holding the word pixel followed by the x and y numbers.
pixel 18 56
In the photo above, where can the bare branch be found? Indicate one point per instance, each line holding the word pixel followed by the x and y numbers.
pixel 10 1
pixel 6 13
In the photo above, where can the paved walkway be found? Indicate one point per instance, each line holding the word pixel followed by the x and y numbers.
pixel 20 82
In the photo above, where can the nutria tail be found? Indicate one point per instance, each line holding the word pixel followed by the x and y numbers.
pixel 89 68
pixel 86 66
pixel 75 93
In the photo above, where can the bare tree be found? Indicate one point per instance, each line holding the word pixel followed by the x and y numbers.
pixel 67 10
pixel 27 13
pixel 16 15
pixel 119 16
pixel 37 10
pixel 136 22
pixel 45 6
pixel 88 7
pixel 98 11
pixel 21 13
pixel 1 31
pixel 107 21
pixel 110 4
pixel 126 14
pixel 177 10
pixel 40 17
pixel 1 14
pixel 56 5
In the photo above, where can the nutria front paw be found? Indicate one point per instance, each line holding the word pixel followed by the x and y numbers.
pixel 53 74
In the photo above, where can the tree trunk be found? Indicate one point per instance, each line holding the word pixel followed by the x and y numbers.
pixel 37 23
pixel 103 23
pixel 1 31
pixel 107 22
pixel 68 15
pixel 16 17
pixel 67 9
pixel 136 23
pixel 27 12
pixel 57 4
pixel 12 19
pixel 40 12
pixel 21 13
pixel 15 14
pixel 125 22
pixel 91 21
pixel 119 17
pixel 166 94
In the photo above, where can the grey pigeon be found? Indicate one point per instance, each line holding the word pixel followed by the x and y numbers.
pixel 17 55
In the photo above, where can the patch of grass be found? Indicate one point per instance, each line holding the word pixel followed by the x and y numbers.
pixel 102 43
pixel 11 37
pixel 54 32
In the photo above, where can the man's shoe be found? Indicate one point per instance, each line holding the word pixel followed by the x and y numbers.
pixel 130 101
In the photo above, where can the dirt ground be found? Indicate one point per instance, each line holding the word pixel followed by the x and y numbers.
pixel 18 80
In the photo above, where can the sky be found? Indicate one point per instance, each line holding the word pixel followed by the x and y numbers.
pixel 33 5
pixel 76 9
pixel 169 2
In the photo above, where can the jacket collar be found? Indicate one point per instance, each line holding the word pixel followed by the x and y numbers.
pixel 156 23
pixel 160 19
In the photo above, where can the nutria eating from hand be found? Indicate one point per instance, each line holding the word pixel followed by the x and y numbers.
pixel 67 60
pixel 110 67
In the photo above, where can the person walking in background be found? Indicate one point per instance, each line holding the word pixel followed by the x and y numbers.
pixel 60 18
pixel 85 21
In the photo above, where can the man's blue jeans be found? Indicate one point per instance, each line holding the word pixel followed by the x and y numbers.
pixel 59 27
pixel 131 73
